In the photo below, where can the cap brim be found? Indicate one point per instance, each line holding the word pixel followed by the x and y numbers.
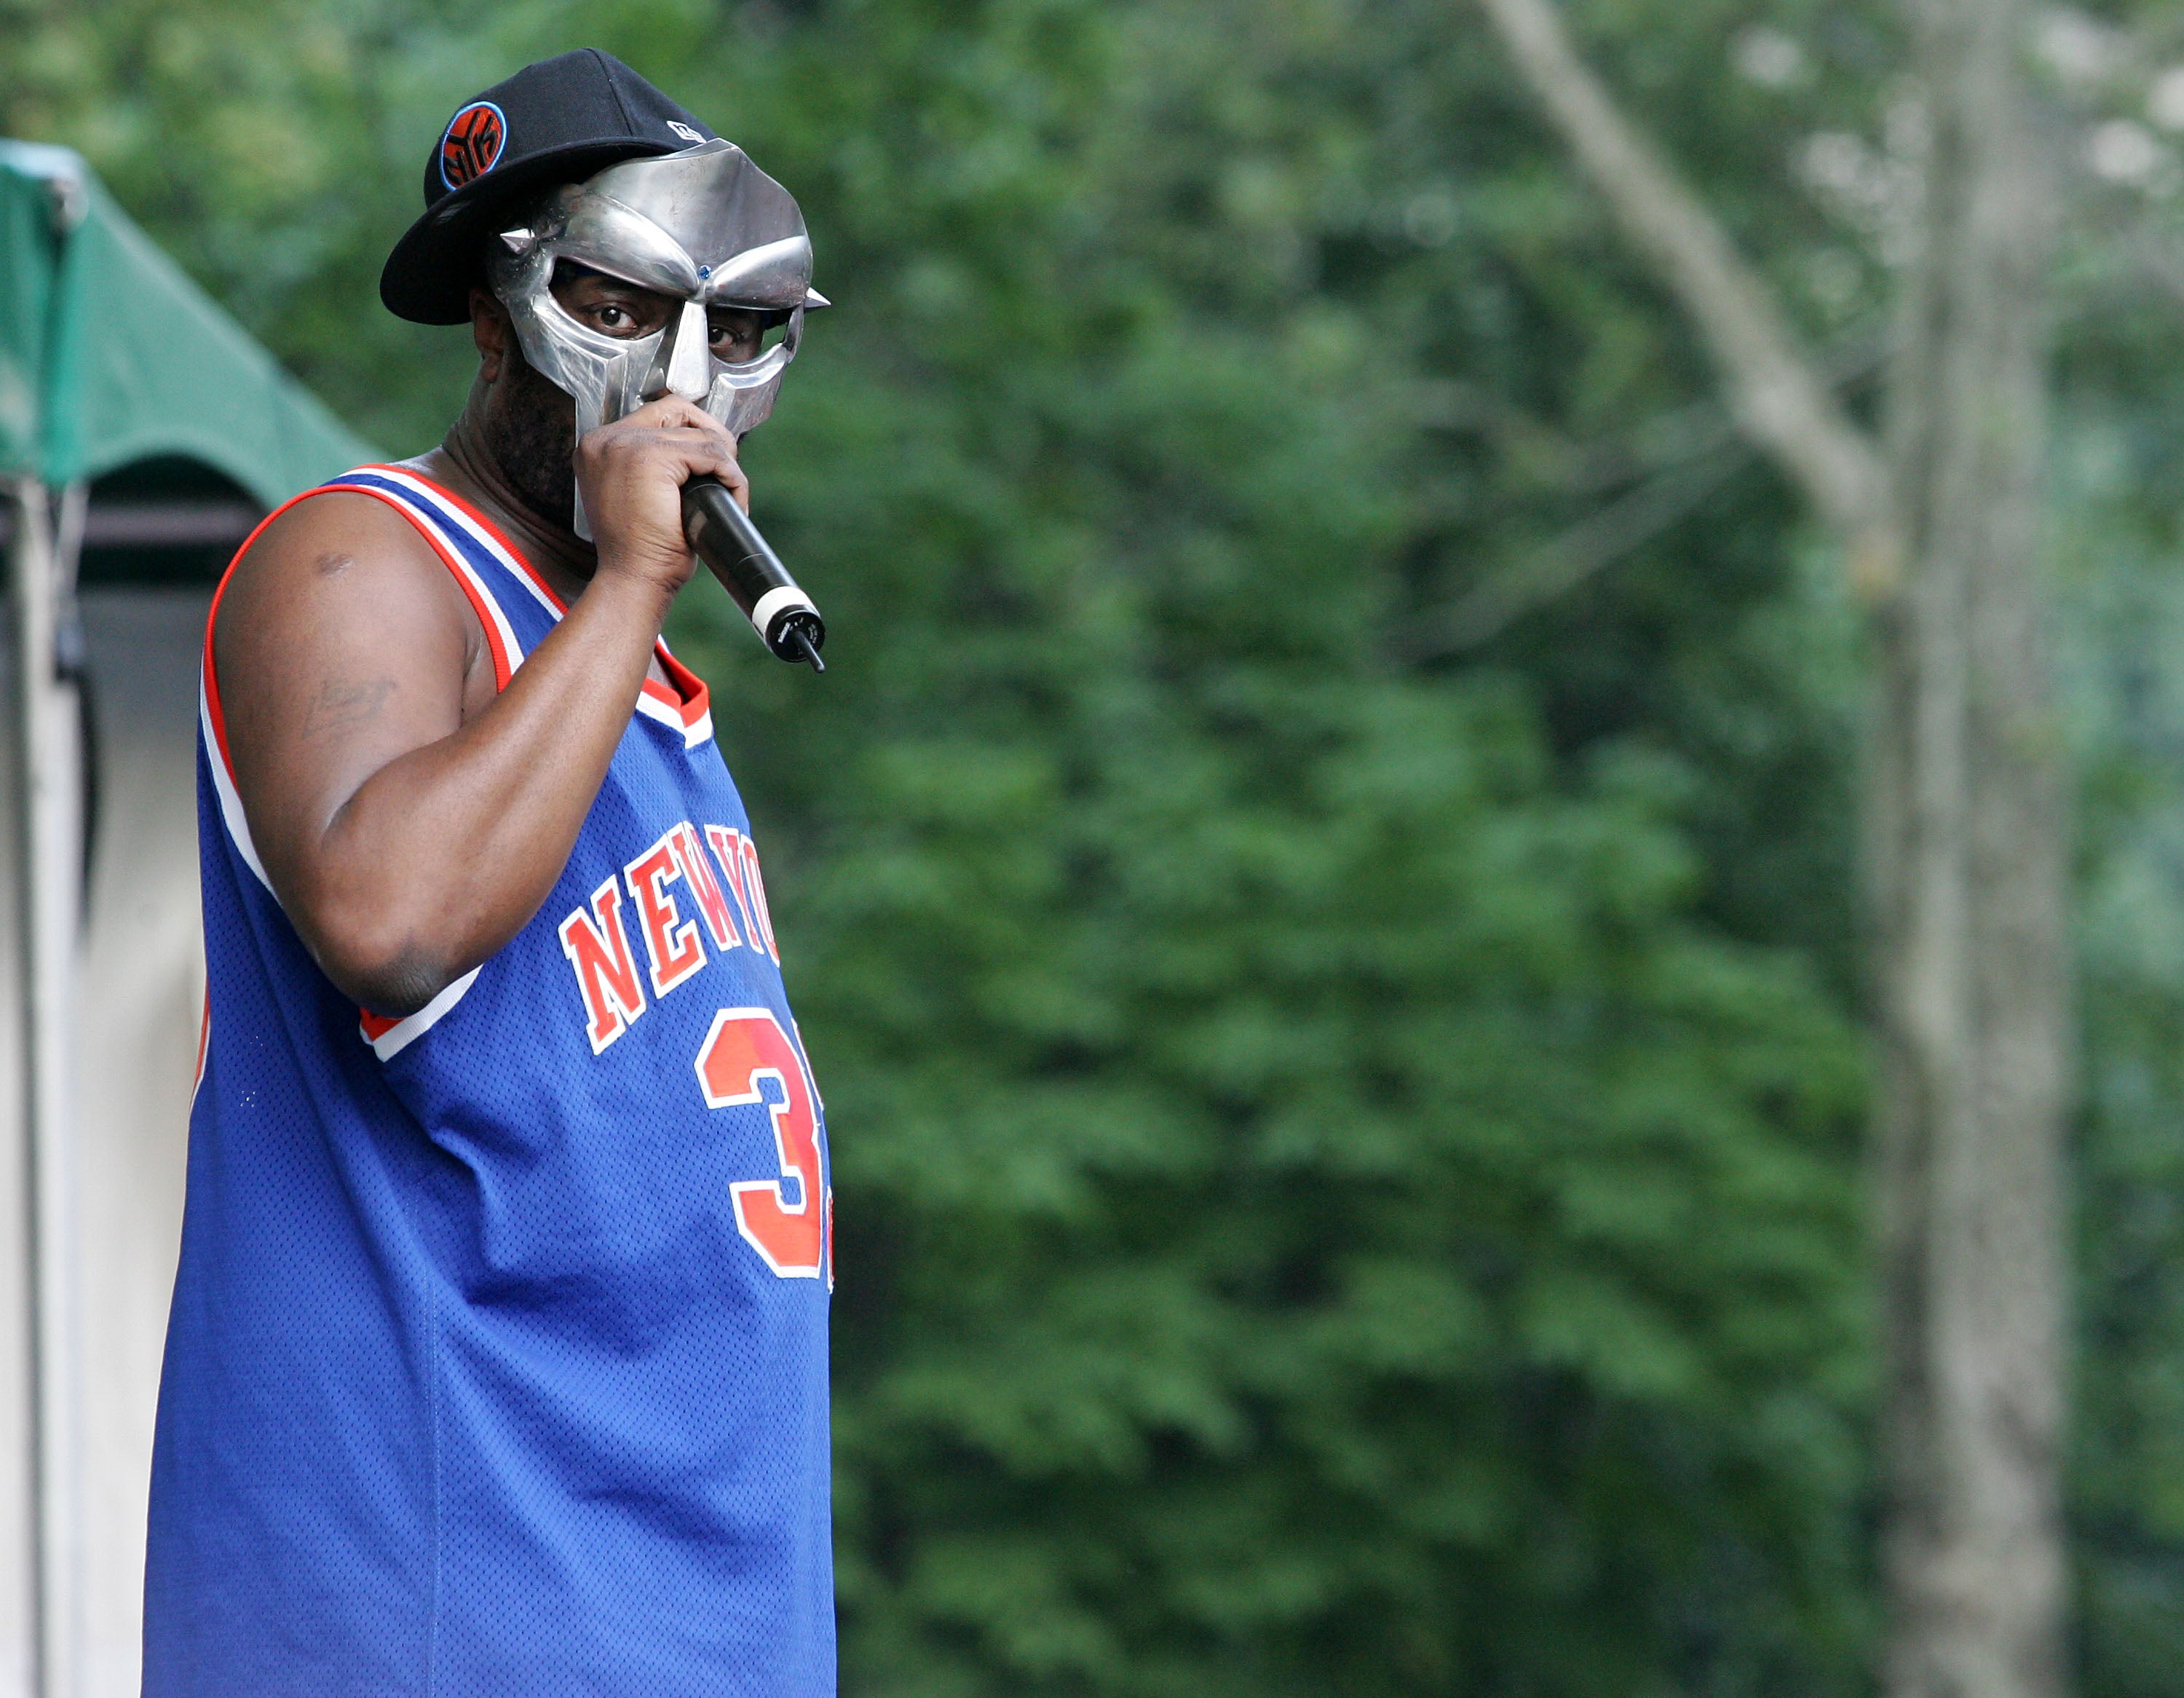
pixel 428 277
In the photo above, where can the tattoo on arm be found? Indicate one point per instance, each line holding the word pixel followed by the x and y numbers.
pixel 343 705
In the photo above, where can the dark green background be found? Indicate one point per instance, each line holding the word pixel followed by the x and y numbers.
pixel 1347 1150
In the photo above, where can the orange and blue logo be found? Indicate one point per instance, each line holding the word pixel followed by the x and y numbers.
pixel 472 146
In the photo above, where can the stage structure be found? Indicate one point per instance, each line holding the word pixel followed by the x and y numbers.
pixel 142 435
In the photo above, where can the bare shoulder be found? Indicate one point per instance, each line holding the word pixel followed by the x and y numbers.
pixel 322 561
pixel 341 642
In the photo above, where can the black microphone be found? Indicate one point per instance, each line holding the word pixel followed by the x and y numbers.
pixel 721 535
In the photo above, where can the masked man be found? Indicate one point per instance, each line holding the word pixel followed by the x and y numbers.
pixel 498 1361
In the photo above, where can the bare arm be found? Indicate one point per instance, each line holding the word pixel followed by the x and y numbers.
pixel 409 821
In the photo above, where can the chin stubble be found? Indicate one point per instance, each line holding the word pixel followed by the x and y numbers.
pixel 533 440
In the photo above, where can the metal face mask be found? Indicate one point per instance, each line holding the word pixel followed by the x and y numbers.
pixel 705 227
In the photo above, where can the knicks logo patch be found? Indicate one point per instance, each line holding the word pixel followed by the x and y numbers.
pixel 471 148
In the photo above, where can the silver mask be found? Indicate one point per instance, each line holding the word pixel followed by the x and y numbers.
pixel 706 227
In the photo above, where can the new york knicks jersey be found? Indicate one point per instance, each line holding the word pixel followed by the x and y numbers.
pixel 498 1360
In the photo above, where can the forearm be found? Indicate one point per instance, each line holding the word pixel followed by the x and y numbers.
pixel 444 854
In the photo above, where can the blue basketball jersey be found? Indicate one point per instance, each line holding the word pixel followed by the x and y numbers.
pixel 498 1360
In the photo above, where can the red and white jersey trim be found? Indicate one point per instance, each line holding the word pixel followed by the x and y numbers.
pixel 388 1038
pixel 223 784
pixel 204 1046
pixel 686 708
pixel 430 517
pixel 452 511
pixel 689 712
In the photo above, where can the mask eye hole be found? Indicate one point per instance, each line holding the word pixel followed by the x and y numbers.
pixel 740 335
pixel 607 304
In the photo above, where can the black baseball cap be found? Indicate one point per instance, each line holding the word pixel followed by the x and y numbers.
pixel 556 121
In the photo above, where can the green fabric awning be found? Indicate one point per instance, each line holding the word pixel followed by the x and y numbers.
pixel 109 354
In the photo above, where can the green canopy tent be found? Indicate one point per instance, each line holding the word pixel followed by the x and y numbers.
pixel 141 433
pixel 109 355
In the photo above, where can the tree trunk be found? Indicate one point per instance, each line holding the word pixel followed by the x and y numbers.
pixel 1966 834
pixel 1964 818
pixel 1965 804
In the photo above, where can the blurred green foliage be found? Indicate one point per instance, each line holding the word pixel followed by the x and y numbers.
pixel 1346 1106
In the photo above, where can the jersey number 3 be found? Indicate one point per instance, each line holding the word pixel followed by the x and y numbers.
pixel 746 1052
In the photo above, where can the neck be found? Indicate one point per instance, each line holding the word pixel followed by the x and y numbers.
pixel 463 463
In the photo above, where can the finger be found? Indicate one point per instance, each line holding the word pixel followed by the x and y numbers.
pixel 669 419
pixel 707 454
pixel 670 412
pixel 647 413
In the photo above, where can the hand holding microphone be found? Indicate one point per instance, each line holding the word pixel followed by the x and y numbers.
pixel 621 469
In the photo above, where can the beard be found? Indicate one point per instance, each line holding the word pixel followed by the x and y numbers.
pixel 531 432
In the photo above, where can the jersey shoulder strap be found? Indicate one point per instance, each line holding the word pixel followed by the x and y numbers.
pixel 513 603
